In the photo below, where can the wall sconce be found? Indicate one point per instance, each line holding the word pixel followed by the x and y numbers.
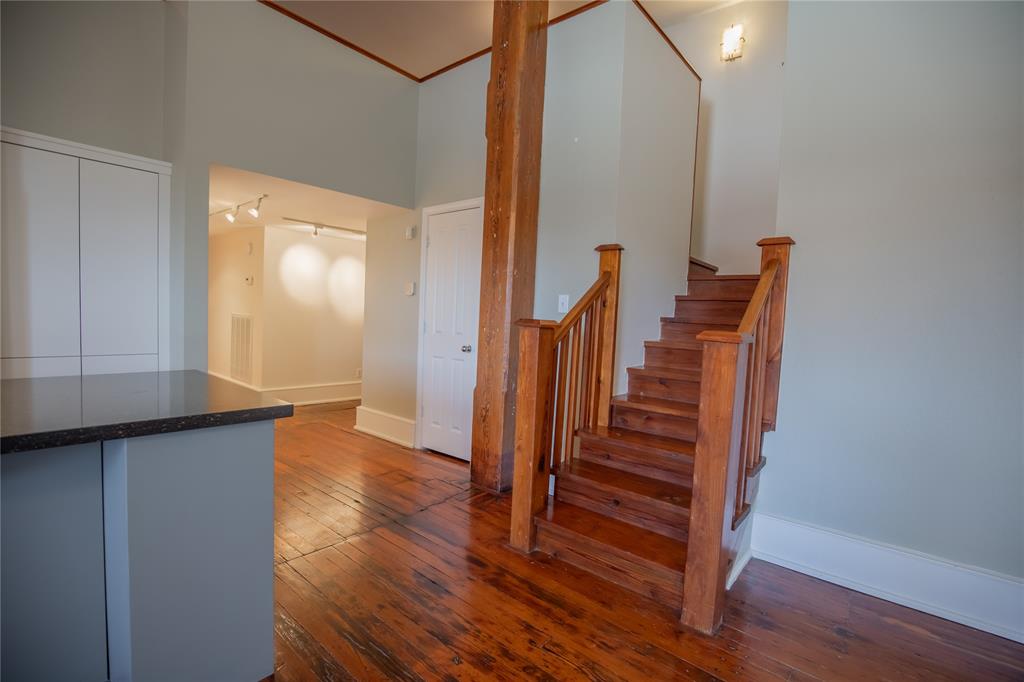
pixel 732 43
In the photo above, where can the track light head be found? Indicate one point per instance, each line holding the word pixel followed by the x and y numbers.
pixel 316 231
pixel 231 215
pixel 254 211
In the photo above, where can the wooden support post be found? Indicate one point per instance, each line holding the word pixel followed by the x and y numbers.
pixel 515 117
pixel 611 261
pixel 534 393
pixel 777 248
pixel 716 468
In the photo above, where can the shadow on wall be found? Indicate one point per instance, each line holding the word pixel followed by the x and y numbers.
pixel 698 230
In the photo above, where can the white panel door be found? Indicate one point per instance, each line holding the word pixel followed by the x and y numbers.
pixel 452 311
pixel 119 215
pixel 39 288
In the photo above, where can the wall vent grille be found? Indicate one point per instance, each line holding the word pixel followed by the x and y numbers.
pixel 241 347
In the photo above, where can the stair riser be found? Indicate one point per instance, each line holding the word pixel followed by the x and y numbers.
pixel 655 582
pixel 681 331
pixel 727 290
pixel 652 463
pixel 651 422
pixel 661 517
pixel 672 357
pixel 712 312
pixel 662 387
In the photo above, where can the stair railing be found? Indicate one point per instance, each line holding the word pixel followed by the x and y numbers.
pixel 566 373
pixel 739 393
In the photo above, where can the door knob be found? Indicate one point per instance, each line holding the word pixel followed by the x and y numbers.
pixel 467 349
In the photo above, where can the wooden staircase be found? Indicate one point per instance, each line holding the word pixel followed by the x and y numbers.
pixel 640 485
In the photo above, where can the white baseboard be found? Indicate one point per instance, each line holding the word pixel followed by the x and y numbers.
pixel 310 394
pixel 973 596
pixel 387 426
pixel 314 394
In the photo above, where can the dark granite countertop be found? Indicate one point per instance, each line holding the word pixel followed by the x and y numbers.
pixel 56 411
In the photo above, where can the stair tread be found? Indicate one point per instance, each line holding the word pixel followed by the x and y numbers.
pixel 638 439
pixel 675 343
pixel 707 299
pixel 663 491
pixel 677 373
pixel 705 325
pixel 672 408
pixel 702 277
pixel 625 537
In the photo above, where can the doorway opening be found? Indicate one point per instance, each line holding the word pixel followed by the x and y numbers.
pixel 287 266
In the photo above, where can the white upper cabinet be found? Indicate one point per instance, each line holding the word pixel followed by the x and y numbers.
pixel 118 260
pixel 40 254
pixel 85 270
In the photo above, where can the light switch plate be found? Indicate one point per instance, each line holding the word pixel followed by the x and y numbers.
pixel 563 303
pixel 410 288
pixel 410 232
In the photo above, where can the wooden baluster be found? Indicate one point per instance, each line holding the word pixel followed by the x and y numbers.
pixel 595 379
pixel 763 335
pixel 717 463
pixel 556 452
pixel 574 385
pixel 775 248
pixel 533 429
pixel 585 388
pixel 611 261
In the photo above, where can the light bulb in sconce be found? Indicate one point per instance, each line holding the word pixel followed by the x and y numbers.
pixel 732 43
pixel 254 211
pixel 231 215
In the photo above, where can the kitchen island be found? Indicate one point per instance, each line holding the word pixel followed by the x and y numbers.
pixel 137 528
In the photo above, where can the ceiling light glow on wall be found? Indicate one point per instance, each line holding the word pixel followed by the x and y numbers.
pixel 732 43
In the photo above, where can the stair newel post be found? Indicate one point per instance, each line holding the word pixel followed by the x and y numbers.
pixel 611 261
pixel 775 248
pixel 533 412
pixel 717 467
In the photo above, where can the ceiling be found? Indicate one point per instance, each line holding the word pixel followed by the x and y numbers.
pixel 232 186
pixel 421 37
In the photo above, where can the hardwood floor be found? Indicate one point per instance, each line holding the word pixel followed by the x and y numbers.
pixel 390 566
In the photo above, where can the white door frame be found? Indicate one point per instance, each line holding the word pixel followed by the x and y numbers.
pixel 428 211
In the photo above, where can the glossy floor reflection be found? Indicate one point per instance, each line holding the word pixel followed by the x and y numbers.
pixel 389 566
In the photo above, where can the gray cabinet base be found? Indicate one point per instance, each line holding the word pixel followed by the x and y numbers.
pixel 51 599
pixel 189 521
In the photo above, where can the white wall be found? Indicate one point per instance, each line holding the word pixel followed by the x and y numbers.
pixel 308 110
pixel 660 96
pixel 740 124
pixel 91 72
pixel 313 312
pixel 900 415
pixel 392 317
pixel 579 179
pixel 234 256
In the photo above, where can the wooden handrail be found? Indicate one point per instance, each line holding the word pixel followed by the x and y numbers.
pixel 738 402
pixel 573 316
pixel 759 299
pixel 566 372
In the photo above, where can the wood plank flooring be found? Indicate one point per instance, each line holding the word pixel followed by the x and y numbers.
pixel 391 567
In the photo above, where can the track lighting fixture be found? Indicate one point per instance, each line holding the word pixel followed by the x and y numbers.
pixel 231 214
pixel 331 230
